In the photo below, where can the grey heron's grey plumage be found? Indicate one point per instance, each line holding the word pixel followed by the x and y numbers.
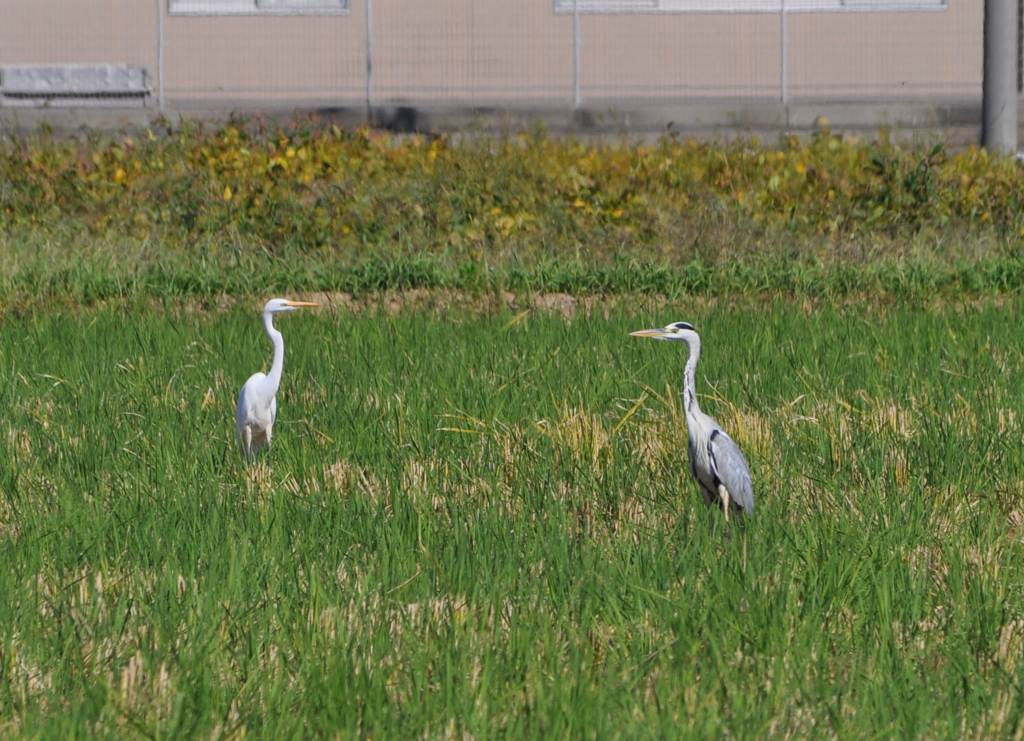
pixel 716 461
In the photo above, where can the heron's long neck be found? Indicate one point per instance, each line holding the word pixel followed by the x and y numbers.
pixel 690 377
pixel 274 377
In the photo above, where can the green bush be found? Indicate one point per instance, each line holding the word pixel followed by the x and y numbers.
pixel 317 207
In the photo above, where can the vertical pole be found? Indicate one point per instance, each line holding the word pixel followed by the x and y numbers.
pixel 999 85
pixel 575 54
pixel 1020 42
pixel 782 72
pixel 160 53
pixel 369 61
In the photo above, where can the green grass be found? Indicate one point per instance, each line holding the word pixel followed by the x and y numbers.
pixel 462 531
pixel 41 278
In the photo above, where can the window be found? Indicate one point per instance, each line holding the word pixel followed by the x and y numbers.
pixel 257 7
pixel 742 6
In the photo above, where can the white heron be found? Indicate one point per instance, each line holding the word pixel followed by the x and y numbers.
pixel 257 403
pixel 716 461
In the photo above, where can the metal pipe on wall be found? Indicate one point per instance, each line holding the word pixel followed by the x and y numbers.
pixel 782 71
pixel 575 54
pixel 160 53
pixel 369 61
pixel 999 83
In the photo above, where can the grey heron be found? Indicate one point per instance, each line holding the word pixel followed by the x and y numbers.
pixel 257 403
pixel 716 461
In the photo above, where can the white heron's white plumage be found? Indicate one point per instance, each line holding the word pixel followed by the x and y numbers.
pixel 257 402
pixel 716 461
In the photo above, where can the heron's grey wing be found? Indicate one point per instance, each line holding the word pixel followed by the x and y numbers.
pixel 731 469
pixel 692 455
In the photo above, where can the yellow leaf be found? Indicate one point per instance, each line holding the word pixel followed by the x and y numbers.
pixel 578 203
pixel 418 209
pixel 495 210
pixel 227 193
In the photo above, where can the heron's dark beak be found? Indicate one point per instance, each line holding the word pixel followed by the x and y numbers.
pixel 658 333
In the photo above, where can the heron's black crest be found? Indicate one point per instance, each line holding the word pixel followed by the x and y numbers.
pixel 683 325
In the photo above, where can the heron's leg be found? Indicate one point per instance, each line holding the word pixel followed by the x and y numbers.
pixel 723 493
pixel 742 518
pixel 247 444
pixel 709 503
pixel 270 433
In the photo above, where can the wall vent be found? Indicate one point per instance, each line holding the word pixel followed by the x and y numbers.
pixel 73 85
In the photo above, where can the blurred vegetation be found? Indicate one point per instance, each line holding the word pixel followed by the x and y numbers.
pixel 238 207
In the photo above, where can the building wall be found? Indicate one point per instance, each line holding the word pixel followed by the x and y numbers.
pixel 483 52
pixel 472 50
pixel 888 54
pixel 291 60
pixel 74 31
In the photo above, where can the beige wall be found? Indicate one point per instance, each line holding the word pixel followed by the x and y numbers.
pixel 285 60
pixel 507 51
pixel 472 50
pixel 888 54
pixel 680 54
pixel 71 31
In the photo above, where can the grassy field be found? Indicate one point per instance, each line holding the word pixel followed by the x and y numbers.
pixel 482 526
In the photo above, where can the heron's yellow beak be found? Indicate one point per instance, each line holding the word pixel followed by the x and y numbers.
pixel 301 304
pixel 656 332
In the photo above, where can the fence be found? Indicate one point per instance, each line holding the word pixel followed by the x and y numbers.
pixel 253 54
